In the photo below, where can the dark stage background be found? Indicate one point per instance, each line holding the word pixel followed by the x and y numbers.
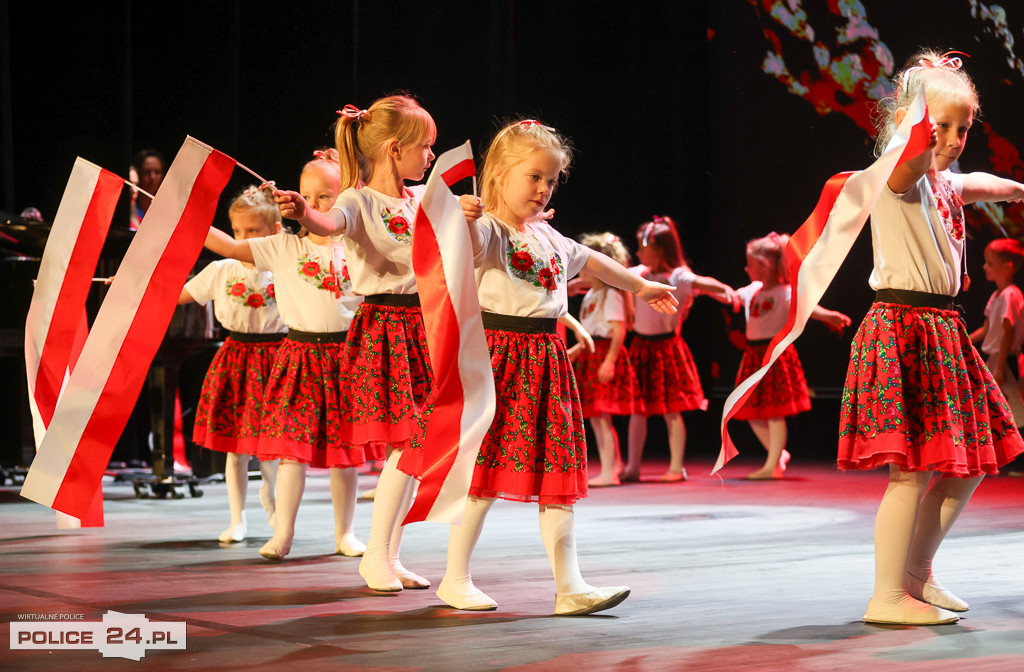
pixel 728 115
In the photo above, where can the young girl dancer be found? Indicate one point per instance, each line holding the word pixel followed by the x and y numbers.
pixel 535 449
pixel 387 371
pixel 607 382
pixel 1003 332
pixel 303 401
pixel 918 397
pixel 228 416
pixel 783 390
pixel 668 378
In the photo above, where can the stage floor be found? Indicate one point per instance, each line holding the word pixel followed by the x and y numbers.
pixel 726 575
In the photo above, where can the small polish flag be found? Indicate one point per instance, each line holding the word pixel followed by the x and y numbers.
pixel 442 258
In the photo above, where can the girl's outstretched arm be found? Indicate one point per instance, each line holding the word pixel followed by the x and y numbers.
pixel 719 291
pixel 984 187
pixel 473 208
pixel 583 337
pixel 221 243
pixel 293 206
pixel 659 296
pixel 833 319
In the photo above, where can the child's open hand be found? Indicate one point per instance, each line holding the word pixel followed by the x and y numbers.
pixel 291 204
pixel 605 372
pixel 472 207
pixel 659 296
pixel 836 321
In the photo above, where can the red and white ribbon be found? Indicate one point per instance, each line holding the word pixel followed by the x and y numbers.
pixel 103 387
pixel 820 245
pixel 56 327
pixel 463 397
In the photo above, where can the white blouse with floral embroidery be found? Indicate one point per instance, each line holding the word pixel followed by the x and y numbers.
pixel 243 298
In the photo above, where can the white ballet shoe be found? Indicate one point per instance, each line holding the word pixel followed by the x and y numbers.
pixel 907 611
pixel 934 593
pixel 589 602
pixel 368 495
pixel 349 546
pixel 600 482
pixel 408 579
pixel 233 534
pixel 464 595
pixel 269 504
pixel 378 574
pixel 276 550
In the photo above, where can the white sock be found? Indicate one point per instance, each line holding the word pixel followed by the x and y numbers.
pixel 291 484
pixel 558 531
pixel 462 540
pixel 343 498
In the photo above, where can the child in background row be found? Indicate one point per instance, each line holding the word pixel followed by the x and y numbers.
pixel 387 367
pixel 535 449
pixel 918 398
pixel 230 405
pixel 1003 332
pixel 783 390
pixel 303 401
pixel 667 375
pixel 604 375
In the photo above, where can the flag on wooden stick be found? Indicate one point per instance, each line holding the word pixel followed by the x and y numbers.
pixel 127 332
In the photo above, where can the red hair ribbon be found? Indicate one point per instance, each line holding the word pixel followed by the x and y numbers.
pixel 320 154
pixel 352 112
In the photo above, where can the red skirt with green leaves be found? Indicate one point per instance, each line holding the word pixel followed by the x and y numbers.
pixel 918 395
pixel 535 450
pixel 666 375
pixel 619 396
pixel 782 391
pixel 303 408
pixel 231 402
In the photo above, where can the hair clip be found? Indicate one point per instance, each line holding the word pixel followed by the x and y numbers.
pixel 648 229
pixel 269 184
pixel 945 61
pixel 352 112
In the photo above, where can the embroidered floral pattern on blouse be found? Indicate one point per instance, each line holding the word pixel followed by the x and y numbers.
pixel 951 213
pixel 254 297
pixel 397 225
pixel 527 265
pixel 311 269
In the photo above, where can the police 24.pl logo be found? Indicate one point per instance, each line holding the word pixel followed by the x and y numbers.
pixel 116 636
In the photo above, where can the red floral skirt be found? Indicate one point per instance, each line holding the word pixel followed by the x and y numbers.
pixel 535 450
pixel 918 395
pixel 782 391
pixel 619 396
pixel 667 375
pixel 303 406
pixel 231 402
pixel 388 377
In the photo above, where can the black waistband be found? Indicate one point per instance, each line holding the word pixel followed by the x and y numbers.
pixel 908 297
pixel 317 336
pixel 655 337
pixel 403 300
pixel 255 338
pixel 758 342
pixel 521 325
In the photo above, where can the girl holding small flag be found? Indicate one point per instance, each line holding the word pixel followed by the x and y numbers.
pixel 303 399
pixel 918 397
pixel 387 370
pixel 228 415
pixel 535 449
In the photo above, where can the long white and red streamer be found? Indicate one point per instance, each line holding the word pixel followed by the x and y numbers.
pixel 56 326
pixel 820 245
pixel 127 332
pixel 442 257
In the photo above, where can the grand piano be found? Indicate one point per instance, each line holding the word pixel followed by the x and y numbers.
pixel 191 338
